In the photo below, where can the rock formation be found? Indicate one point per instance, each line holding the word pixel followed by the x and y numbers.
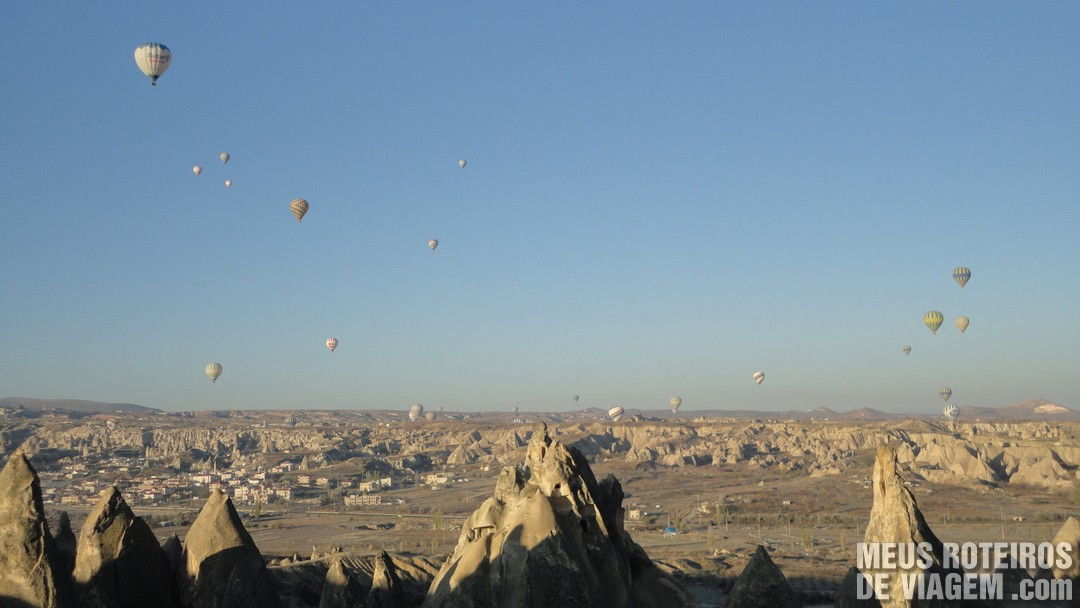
pixel 847 594
pixel 65 542
pixel 551 536
pixel 386 589
pixel 174 550
pixel 32 573
pixel 303 583
pixel 895 518
pixel 1069 533
pixel 119 559
pixel 222 566
pixel 761 585
pixel 341 589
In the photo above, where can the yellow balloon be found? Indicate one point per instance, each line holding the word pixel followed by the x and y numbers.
pixel 933 320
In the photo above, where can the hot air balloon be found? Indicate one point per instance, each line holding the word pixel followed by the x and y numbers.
pixel 432 244
pixel 933 320
pixel 224 156
pixel 675 402
pixel 759 377
pixel 430 416
pixel 961 274
pixel 461 163
pixel 299 207
pixel 615 413
pixel 951 411
pixel 331 343
pixel 228 183
pixel 962 323
pixel 907 350
pixel 213 370
pixel 516 409
pixel 197 170
pixel 576 398
pixel 415 411
pixel 153 58
pixel 945 393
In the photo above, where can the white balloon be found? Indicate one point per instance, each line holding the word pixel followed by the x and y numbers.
pixel 153 58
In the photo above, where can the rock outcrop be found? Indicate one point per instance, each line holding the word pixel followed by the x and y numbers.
pixel 32 571
pixel 761 585
pixel 386 589
pixel 303 583
pixel 1069 533
pixel 341 589
pixel 847 594
pixel 895 518
pixel 174 550
pixel 222 566
pixel 65 542
pixel 119 560
pixel 551 536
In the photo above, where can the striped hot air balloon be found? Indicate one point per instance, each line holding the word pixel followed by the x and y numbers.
pixel 299 208
pixel 615 413
pixel 331 343
pixel 907 350
pixel 951 411
pixel 933 320
pixel 945 393
pixel 759 377
pixel 153 58
pixel 961 274
pixel 962 323
pixel 213 370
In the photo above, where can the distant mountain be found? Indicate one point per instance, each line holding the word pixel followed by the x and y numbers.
pixel 71 405
pixel 1039 406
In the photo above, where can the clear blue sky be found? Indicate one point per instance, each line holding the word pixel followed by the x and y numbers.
pixel 660 199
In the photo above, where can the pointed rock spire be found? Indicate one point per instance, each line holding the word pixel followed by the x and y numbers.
pixel 65 542
pixel 386 591
pixel 340 589
pixel 551 536
pixel 31 568
pixel 1069 533
pixel 761 585
pixel 222 565
pixel 174 550
pixel 896 518
pixel 120 560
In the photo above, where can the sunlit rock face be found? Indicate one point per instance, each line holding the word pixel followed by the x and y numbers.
pixel 119 563
pixel 222 566
pixel 896 518
pixel 551 536
pixel 32 568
